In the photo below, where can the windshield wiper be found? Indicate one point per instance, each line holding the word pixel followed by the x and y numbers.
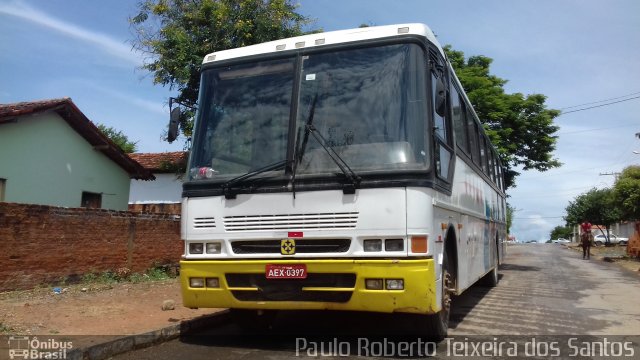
pixel 226 187
pixel 296 160
pixel 354 179
pixel 298 149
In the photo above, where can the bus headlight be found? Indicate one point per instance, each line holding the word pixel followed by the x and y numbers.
pixel 373 284
pixel 372 245
pixel 395 284
pixel 214 248
pixel 196 248
pixel 196 282
pixel 394 245
pixel 213 282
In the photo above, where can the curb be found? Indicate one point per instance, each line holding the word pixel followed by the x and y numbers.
pixel 151 338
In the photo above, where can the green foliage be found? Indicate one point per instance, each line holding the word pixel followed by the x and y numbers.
pixel 177 34
pixel 179 167
pixel 510 212
pixel 119 138
pixel 520 127
pixel 597 206
pixel 156 273
pixel 564 232
pixel 627 193
pixel 6 329
pixel 107 277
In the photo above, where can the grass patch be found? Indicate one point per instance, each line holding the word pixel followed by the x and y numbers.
pixel 156 273
pixel 6 329
pixel 103 278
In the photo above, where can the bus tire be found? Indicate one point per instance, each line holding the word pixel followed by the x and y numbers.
pixel 491 278
pixel 436 326
pixel 253 321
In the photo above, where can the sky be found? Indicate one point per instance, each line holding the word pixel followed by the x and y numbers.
pixel 574 52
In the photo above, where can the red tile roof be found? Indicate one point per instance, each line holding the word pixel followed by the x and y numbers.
pixel 82 125
pixel 167 162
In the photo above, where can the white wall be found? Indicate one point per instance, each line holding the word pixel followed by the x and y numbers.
pixel 166 188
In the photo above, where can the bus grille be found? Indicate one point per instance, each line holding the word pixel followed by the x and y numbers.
pixel 294 289
pixel 303 246
pixel 321 221
pixel 204 223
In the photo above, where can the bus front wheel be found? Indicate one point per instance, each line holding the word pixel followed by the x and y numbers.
pixel 437 325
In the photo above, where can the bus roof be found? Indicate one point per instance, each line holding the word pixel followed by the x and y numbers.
pixel 326 38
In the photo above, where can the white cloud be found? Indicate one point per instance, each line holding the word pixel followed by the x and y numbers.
pixel 147 105
pixel 102 42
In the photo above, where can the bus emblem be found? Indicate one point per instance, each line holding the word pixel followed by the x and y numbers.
pixel 287 247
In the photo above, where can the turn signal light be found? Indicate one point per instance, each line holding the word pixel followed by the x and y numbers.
pixel 419 244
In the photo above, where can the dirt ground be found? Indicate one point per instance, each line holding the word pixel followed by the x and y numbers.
pixel 117 309
pixel 133 308
pixel 614 254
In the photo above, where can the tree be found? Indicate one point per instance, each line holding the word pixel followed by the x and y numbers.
pixel 627 193
pixel 177 34
pixel 119 138
pixel 510 211
pixel 561 232
pixel 521 127
pixel 597 206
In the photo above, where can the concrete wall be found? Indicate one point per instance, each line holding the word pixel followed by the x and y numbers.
pixel 41 244
pixel 44 161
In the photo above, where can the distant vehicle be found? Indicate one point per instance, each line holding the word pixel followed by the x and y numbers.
pixel 560 241
pixel 601 239
pixel 532 242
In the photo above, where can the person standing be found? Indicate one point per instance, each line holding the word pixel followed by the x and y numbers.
pixel 585 237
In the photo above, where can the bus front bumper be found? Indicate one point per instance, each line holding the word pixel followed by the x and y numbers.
pixel 330 285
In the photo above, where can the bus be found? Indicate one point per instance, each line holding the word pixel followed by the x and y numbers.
pixel 343 170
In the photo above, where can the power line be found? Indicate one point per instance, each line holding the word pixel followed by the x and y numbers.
pixel 600 101
pixel 595 129
pixel 597 106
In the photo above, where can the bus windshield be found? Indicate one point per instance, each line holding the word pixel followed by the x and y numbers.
pixel 369 103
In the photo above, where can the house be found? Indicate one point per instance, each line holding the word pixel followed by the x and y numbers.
pixel 51 154
pixel 165 193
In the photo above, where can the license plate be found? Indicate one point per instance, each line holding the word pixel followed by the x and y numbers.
pixel 295 271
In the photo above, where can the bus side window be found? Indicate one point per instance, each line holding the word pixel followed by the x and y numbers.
pixel 483 154
pixel 439 121
pixel 459 122
pixel 473 137
pixel 441 124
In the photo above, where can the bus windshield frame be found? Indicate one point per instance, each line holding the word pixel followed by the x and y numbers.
pixel 369 102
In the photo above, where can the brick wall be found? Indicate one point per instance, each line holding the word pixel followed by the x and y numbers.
pixel 41 244
pixel 165 208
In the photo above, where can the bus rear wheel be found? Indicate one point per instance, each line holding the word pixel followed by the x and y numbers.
pixel 491 279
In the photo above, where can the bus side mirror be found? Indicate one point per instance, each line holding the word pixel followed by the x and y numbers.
pixel 174 121
pixel 441 98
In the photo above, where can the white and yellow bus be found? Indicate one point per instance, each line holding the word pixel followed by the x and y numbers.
pixel 344 170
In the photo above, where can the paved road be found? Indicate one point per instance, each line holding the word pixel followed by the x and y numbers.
pixel 545 290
